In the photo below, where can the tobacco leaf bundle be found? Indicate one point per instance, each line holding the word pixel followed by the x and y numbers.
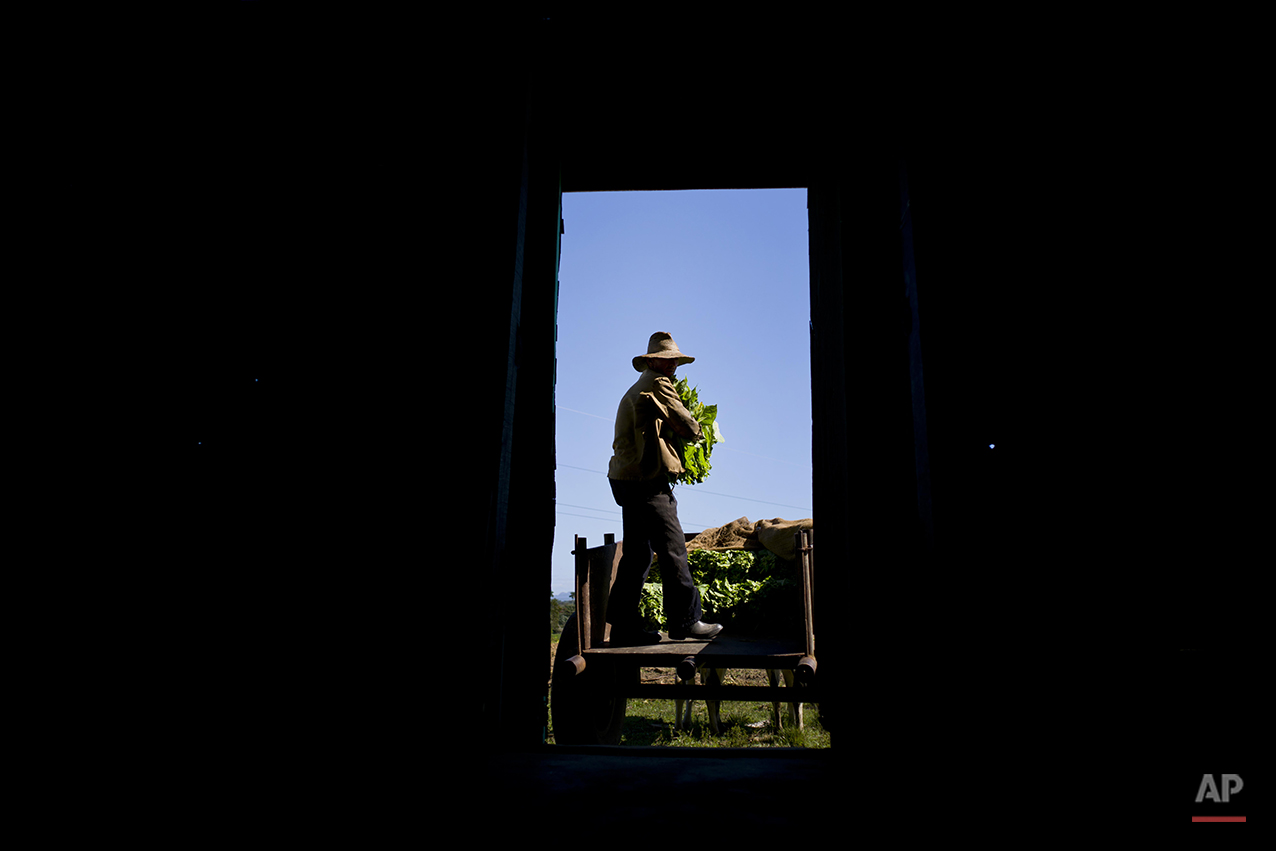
pixel 695 453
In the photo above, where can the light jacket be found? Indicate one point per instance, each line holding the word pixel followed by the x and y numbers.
pixel 648 417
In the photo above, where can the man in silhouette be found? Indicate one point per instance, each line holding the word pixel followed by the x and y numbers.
pixel 645 460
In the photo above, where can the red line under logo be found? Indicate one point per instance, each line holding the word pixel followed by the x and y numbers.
pixel 1218 818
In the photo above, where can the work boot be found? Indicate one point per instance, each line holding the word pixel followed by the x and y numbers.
pixel 699 631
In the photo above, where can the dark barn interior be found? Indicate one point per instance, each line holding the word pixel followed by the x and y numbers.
pixel 901 455
pixel 406 293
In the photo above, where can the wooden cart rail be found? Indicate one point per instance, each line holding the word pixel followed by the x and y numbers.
pixel 669 691
pixel 592 680
pixel 596 571
pixel 725 651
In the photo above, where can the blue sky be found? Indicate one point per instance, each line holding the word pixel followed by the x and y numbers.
pixel 726 273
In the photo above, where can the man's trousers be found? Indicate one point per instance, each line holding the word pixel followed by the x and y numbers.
pixel 650 521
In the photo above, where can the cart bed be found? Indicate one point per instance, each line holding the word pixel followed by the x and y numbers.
pixel 724 651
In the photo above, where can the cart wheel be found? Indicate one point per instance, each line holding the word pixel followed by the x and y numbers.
pixel 588 708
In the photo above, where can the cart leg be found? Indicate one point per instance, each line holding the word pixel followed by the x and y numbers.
pixel 686 673
pixel 712 677
pixel 682 719
pixel 773 679
pixel 795 709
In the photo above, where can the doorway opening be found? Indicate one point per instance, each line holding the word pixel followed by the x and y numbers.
pixel 726 273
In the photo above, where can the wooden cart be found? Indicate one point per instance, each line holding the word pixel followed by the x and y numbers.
pixel 592 681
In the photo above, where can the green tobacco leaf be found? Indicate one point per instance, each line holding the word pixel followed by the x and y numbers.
pixel 695 454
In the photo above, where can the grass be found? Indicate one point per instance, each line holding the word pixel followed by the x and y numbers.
pixel 744 723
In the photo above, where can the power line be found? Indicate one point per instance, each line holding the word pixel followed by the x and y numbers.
pixel 720 445
pixel 586 469
pixel 610 520
pixel 603 510
pixel 574 411
pixel 766 457
pixel 698 490
pixel 587 507
pixel 747 499
pixel 586 516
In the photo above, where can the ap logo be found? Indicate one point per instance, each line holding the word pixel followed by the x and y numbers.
pixel 1231 783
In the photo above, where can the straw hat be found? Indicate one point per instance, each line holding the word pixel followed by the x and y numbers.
pixel 661 345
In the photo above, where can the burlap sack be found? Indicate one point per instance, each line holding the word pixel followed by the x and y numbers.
pixel 777 535
pixel 736 535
